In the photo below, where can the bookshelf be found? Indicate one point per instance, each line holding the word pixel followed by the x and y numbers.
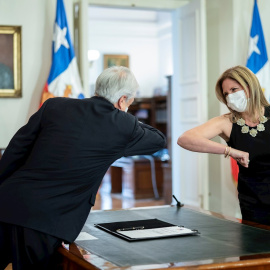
pixel 151 111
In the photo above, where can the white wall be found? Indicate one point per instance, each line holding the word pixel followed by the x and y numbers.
pixel 227 58
pixel 214 166
pixel 37 19
pixel 131 32
pixel 165 49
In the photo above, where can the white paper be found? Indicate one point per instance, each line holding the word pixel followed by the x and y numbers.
pixel 158 232
pixel 85 236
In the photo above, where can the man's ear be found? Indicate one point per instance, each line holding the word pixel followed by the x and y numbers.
pixel 121 103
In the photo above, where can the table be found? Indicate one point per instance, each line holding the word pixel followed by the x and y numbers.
pixel 223 243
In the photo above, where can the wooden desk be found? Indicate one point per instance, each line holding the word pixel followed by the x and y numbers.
pixel 223 244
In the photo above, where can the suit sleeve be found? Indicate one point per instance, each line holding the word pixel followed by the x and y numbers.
pixel 20 145
pixel 145 140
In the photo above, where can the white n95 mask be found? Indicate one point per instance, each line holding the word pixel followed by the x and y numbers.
pixel 237 101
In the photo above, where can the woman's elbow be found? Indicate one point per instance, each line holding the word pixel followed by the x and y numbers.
pixel 182 140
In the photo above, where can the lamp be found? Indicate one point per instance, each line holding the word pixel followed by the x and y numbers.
pixel 93 55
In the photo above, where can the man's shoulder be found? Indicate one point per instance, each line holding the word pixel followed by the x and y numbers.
pixel 125 121
pixel 62 99
pixel 65 101
pixel 125 116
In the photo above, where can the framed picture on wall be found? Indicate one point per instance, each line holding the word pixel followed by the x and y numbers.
pixel 10 61
pixel 116 60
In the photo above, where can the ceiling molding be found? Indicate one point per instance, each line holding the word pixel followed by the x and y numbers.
pixel 148 4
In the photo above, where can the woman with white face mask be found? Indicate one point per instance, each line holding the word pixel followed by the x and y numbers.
pixel 246 129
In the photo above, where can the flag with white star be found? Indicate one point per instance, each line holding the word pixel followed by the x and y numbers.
pixel 258 63
pixel 257 60
pixel 64 79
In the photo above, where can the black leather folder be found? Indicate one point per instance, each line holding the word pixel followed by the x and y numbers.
pixel 145 229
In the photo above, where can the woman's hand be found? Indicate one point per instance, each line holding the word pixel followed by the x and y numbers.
pixel 240 156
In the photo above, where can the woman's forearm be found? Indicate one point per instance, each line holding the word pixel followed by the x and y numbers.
pixel 200 144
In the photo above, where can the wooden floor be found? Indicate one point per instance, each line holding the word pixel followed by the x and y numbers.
pixel 106 201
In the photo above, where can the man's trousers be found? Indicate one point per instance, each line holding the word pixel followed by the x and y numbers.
pixel 26 248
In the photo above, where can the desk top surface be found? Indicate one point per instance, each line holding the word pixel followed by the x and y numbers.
pixel 220 240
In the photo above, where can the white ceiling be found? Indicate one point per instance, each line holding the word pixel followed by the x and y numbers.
pixel 108 14
pixel 127 15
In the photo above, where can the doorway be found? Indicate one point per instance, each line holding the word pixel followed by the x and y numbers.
pixel 144 36
pixel 189 27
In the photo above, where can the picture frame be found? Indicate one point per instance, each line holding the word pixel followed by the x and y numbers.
pixel 10 62
pixel 116 60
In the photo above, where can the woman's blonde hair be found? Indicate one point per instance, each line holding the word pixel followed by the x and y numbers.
pixel 248 80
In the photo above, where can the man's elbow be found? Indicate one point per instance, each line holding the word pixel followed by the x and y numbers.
pixel 164 145
pixel 162 140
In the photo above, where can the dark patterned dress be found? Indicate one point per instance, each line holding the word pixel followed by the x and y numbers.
pixel 254 181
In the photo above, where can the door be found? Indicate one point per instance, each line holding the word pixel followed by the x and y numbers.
pixel 189 102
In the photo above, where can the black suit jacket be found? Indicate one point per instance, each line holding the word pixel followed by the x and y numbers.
pixel 53 166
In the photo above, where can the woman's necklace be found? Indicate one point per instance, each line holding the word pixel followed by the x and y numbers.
pixel 254 131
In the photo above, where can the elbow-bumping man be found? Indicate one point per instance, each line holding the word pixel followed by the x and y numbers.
pixel 53 166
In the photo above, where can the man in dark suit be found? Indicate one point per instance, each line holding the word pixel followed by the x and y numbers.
pixel 53 166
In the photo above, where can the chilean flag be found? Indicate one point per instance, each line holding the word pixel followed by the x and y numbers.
pixel 64 79
pixel 257 62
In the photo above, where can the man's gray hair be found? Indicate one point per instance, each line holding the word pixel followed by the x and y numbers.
pixel 115 82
